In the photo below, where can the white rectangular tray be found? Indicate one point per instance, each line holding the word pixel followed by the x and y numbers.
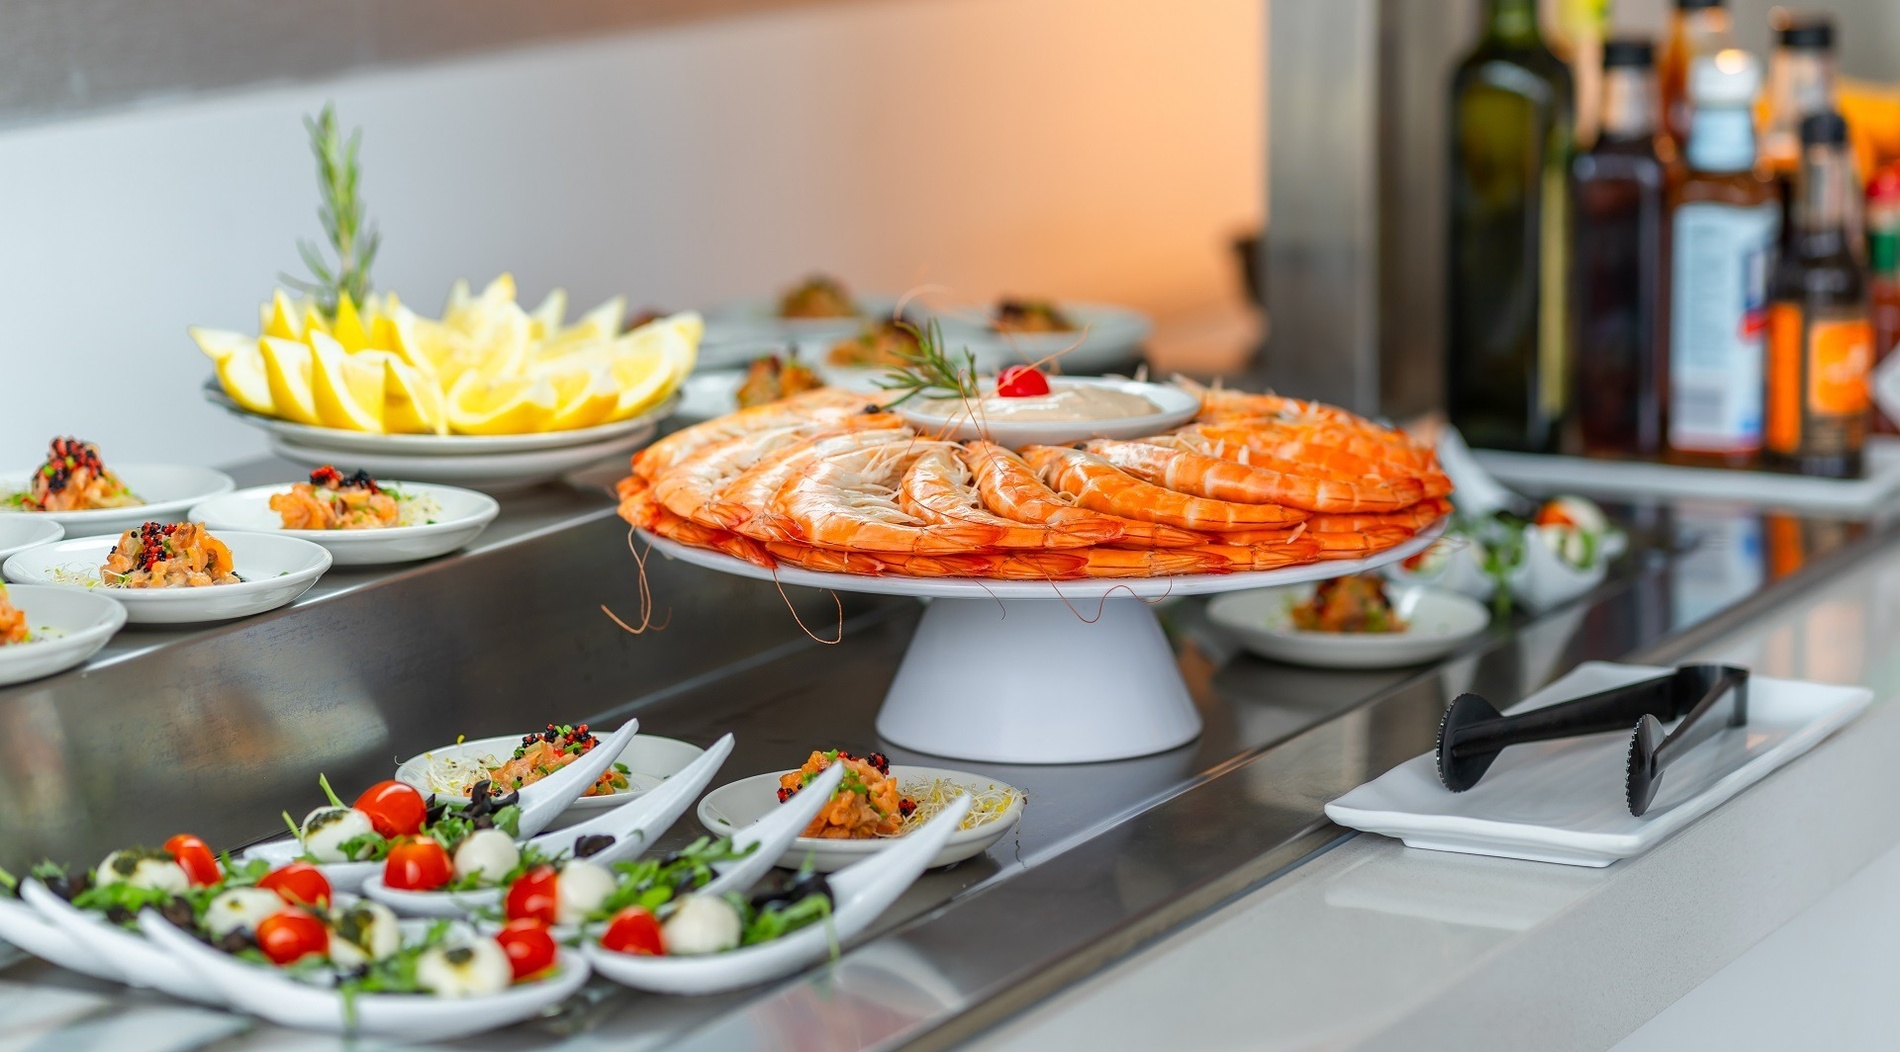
pixel 1563 801
pixel 1552 474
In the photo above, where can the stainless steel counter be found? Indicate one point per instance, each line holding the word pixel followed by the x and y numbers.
pixel 217 730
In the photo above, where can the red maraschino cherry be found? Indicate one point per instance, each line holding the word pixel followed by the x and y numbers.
pixel 1021 381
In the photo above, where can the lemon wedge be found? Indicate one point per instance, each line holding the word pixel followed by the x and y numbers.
pixel 281 318
pixel 587 397
pixel 657 359
pixel 477 406
pixel 288 365
pixel 546 319
pixel 241 374
pixel 347 389
pixel 412 403
pixel 348 326
pixel 219 344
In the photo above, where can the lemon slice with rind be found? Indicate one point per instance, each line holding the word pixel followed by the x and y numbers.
pixel 288 365
pixel 412 402
pixel 241 374
pixel 514 406
pixel 347 388
pixel 588 397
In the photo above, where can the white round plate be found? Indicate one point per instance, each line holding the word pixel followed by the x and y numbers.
pixel 739 322
pixel 465 514
pixel 1439 622
pixel 650 758
pixel 1106 336
pixel 276 570
pixel 68 626
pixel 710 393
pixel 168 490
pixel 492 472
pixel 344 441
pixel 1174 408
pixel 732 807
pixel 22 531
pixel 1088 588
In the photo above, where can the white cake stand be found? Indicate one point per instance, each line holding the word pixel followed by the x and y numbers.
pixel 1020 672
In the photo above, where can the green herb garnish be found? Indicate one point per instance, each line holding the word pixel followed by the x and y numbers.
pixel 352 238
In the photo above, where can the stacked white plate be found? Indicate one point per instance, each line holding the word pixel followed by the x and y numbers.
pixel 167 491
pixel 495 463
pixel 461 516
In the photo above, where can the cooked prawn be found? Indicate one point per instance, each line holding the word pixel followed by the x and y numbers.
pixel 1341 452
pixel 691 483
pixel 1012 489
pixel 829 560
pixel 1097 484
pixel 1295 552
pixel 939 488
pixel 1361 544
pixel 825 405
pixel 1414 518
pixel 1290 482
pixel 745 504
pixel 847 500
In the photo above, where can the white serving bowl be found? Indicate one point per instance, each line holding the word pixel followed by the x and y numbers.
pixel 276 570
pixel 134 960
pixel 28 928
pixel 464 515
pixel 68 626
pixel 741 803
pixel 650 759
pixel 1106 336
pixel 861 892
pixel 22 531
pixel 1174 408
pixel 269 994
pixel 168 490
pixel 1439 622
pixel 634 825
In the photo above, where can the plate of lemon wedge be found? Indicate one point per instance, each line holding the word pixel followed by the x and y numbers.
pixel 488 378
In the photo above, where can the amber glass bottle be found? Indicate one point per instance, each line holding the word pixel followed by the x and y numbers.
pixel 1800 85
pixel 1820 343
pixel 1697 29
pixel 1726 219
pixel 1620 269
pixel 1507 327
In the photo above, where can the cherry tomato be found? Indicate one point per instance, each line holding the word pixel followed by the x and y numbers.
pixel 535 896
pixel 300 884
pixel 418 864
pixel 529 945
pixel 291 935
pixel 195 858
pixel 394 809
pixel 1021 381
pixel 634 930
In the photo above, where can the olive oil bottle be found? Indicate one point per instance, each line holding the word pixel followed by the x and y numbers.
pixel 1507 334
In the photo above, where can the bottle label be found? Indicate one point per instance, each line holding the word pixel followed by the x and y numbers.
pixel 1717 325
pixel 1835 356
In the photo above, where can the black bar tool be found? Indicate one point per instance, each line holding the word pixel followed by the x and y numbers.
pixel 1707 698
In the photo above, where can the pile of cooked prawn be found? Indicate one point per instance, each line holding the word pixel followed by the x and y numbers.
pixel 830 481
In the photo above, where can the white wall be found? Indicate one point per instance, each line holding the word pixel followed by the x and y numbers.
pixel 1086 148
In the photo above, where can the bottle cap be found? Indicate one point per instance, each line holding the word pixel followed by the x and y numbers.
pixel 1806 33
pixel 1823 129
pixel 1729 77
pixel 1628 53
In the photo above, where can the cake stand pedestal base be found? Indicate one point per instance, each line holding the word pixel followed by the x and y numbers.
pixel 1027 681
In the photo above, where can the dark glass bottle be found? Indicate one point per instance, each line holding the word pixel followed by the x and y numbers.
pixel 1821 342
pixel 1507 326
pixel 1621 265
pixel 1725 220
pixel 1800 85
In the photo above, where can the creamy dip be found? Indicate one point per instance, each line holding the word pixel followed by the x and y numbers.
pixel 1081 402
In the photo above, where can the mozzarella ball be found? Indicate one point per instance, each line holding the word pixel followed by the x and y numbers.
pixel 152 870
pixel 701 924
pixel 1570 544
pixel 239 909
pixel 488 853
pixel 1582 512
pixel 364 932
pixel 464 969
pixel 580 890
pixel 327 828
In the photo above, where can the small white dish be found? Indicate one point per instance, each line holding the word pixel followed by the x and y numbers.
pixel 464 515
pixel 135 960
pixel 1174 407
pixel 489 472
pixel 1439 622
pixel 28 928
pixel 168 490
pixel 750 322
pixel 732 807
pixel 1105 336
pixel 269 994
pixel 1452 563
pixel 18 532
pixel 861 892
pixel 1564 801
pixel 634 825
pixel 710 393
pixel 650 760
pixel 540 802
pixel 68 626
pixel 276 570
pixel 1543 580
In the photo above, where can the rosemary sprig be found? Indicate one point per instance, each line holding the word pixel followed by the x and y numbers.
pixel 930 370
pixel 352 238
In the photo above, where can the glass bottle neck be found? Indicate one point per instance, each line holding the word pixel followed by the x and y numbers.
pixel 1511 22
pixel 1705 30
pixel 1800 84
pixel 1722 139
pixel 1629 103
pixel 1820 204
